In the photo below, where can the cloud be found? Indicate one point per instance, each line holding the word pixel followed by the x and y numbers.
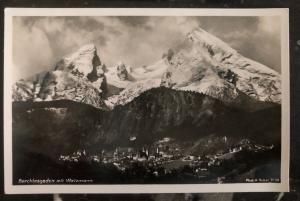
pixel 31 50
pixel 39 42
pixel 141 21
pixel 270 25
pixel 255 37
pixel 143 45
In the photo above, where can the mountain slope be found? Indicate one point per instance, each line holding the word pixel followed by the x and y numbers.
pixel 207 65
pixel 23 91
pixel 204 64
pixel 139 80
pixel 64 126
pixel 78 76
pixel 210 66
pixel 161 112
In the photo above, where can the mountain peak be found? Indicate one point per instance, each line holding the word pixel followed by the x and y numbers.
pixel 88 48
pixel 82 62
pixel 210 66
pixel 78 77
pixel 212 43
pixel 205 64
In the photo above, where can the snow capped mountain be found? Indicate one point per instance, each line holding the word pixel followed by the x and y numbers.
pixel 78 77
pixel 205 64
pixel 139 80
pixel 23 91
pixel 83 62
pixel 210 66
pixel 63 85
pixel 119 76
pixel 153 71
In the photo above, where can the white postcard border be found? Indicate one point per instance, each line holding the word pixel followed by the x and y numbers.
pixel 146 188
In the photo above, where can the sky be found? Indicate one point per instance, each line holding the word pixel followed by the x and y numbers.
pixel 39 42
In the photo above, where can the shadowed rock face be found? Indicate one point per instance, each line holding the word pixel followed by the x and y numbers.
pixel 122 72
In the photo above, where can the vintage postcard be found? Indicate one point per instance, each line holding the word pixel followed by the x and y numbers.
pixel 146 100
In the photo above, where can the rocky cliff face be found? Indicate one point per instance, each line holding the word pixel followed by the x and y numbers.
pixel 122 71
pixel 85 63
pixel 78 77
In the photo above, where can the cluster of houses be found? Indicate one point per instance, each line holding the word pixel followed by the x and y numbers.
pixel 77 156
pixel 163 153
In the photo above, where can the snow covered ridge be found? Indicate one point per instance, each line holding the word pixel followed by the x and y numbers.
pixel 205 64
pixel 78 77
pixel 139 80
pixel 210 66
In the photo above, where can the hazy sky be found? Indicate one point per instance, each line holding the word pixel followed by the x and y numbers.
pixel 39 42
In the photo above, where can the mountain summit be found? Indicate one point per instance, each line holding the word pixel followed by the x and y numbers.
pixel 210 66
pixel 205 64
pixel 78 77
pixel 84 62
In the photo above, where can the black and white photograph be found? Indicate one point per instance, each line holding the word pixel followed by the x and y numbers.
pixel 146 100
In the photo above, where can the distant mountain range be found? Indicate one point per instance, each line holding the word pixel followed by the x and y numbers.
pixel 205 64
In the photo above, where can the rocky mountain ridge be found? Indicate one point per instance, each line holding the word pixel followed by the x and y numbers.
pixel 205 64
pixel 78 77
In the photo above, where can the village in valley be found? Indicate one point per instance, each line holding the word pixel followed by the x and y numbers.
pixel 167 157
